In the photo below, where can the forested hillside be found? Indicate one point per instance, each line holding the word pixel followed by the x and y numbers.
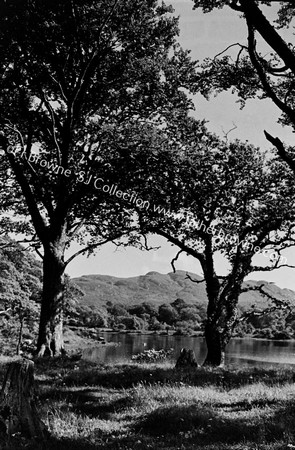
pixel 158 302
pixel 162 288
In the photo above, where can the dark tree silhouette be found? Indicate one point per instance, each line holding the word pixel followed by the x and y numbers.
pixel 78 80
pixel 227 198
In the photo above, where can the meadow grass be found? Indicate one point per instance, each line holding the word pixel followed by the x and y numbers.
pixel 153 406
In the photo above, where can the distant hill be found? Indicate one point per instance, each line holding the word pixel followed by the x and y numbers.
pixel 160 288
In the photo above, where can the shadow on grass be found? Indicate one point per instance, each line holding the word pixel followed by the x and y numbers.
pixel 131 375
pixel 88 401
pixel 51 444
pixel 246 405
pixel 203 426
pixel 189 427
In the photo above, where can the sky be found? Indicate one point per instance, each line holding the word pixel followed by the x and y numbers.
pixel 206 36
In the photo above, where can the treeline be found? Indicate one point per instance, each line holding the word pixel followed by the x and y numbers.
pixel 275 325
pixel 179 317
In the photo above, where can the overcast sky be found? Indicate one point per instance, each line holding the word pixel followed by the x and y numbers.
pixel 206 36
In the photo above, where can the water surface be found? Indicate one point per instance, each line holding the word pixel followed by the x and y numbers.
pixel 241 352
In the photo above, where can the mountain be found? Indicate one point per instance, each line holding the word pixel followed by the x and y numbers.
pixel 160 288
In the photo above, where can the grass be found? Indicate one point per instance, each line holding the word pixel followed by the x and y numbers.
pixel 153 406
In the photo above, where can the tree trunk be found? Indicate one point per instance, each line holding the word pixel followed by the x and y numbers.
pixel 18 413
pixel 20 335
pixel 219 328
pixel 216 344
pixel 50 339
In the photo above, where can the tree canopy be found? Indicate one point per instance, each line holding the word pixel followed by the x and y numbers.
pixel 226 197
pixel 254 72
pixel 78 81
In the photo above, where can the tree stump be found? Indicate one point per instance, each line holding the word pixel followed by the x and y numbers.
pixel 18 413
pixel 186 360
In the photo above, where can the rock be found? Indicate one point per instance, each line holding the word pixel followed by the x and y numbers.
pixel 186 359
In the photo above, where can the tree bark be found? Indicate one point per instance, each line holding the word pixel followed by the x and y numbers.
pixel 220 325
pixel 268 32
pixel 216 345
pixel 20 335
pixel 18 413
pixel 50 339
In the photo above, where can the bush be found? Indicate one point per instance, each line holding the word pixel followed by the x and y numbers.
pixel 155 325
pixel 148 356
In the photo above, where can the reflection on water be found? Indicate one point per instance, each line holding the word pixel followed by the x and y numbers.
pixel 246 352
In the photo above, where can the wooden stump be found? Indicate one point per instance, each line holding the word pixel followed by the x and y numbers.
pixel 187 359
pixel 18 414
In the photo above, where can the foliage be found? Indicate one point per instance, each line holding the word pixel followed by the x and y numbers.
pixel 20 292
pixel 152 355
pixel 81 82
pixel 167 314
pixel 190 319
pixel 250 71
pixel 224 197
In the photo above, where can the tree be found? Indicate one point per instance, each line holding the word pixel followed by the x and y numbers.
pixel 274 74
pixel 167 314
pixel 79 81
pixel 20 291
pixel 223 197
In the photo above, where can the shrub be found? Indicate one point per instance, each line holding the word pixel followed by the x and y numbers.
pixel 152 355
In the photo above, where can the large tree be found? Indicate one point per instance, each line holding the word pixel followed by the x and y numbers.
pixel 78 79
pixel 222 197
pixel 256 72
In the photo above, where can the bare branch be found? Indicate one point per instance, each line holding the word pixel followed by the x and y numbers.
pixel 262 75
pixel 146 246
pixel 175 259
pixel 77 228
pixel 188 277
pixel 242 47
pixel 256 18
pixel 53 120
pixel 38 252
pixel 281 150
pixel 140 245
pixel 277 71
pixel 278 304
pixel 229 131
pixel 113 7
pixel 91 247
pixel 270 269
pixel 182 245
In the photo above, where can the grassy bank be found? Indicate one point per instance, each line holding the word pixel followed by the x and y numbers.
pixel 154 407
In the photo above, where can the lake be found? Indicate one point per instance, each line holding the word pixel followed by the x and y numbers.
pixel 240 352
